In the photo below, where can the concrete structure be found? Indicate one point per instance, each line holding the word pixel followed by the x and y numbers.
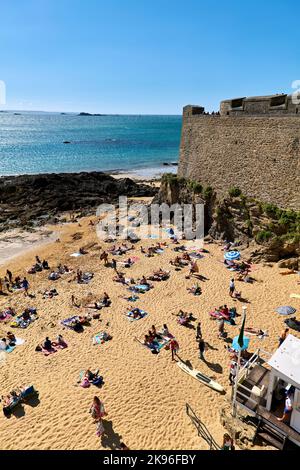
pixel 261 387
pixel 253 144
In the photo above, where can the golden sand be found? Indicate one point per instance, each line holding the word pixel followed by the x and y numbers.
pixel 144 394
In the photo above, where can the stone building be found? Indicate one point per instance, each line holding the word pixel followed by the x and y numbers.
pixel 252 143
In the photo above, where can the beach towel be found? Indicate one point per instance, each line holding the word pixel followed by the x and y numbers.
pixel 76 255
pixel 86 278
pixel 55 348
pixel 216 314
pixel 6 316
pixel 139 288
pixel 27 393
pixel 158 344
pixel 68 322
pixel 54 276
pixel 19 341
pixel 19 322
pixel 195 254
pixel 97 381
pixel 295 296
pixel 130 316
pixel 132 298
pixel 101 338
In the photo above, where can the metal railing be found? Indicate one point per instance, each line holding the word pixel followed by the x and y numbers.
pixel 202 429
pixel 256 356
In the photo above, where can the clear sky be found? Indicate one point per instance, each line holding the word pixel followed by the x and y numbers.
pixel 145 56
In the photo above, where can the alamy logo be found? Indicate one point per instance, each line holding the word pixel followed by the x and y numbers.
pixel 140 221
pixel 296 93
pixel 2 92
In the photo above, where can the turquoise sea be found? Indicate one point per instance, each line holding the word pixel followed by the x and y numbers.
pixel 32 142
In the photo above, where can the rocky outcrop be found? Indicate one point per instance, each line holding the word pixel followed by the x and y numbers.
pixel 272 233
pixel 35 199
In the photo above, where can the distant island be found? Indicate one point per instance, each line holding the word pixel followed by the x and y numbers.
pixel 89 114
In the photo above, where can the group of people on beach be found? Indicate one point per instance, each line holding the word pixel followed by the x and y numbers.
pixel 13 284
pixel 153 337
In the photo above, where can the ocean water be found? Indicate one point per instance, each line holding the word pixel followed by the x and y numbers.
pixel 32 143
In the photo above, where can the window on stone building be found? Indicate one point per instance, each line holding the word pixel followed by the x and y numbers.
pixel 238 103
pixel 278 101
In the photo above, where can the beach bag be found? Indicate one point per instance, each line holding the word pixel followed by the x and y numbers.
pixel 85 384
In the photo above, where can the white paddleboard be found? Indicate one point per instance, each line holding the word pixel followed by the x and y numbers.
pixel 204 379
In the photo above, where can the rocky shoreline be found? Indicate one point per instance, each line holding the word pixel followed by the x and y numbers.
pixel 29 201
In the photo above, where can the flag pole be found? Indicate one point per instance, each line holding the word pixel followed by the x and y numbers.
pixel 238 366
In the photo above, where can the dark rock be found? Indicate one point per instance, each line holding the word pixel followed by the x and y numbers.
pixel 28 198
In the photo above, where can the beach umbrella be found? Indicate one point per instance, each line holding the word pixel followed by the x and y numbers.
pixel 286 310
pixel 235 343
pixel 232 255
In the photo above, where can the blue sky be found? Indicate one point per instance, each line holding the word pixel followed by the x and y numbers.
pixel 145 56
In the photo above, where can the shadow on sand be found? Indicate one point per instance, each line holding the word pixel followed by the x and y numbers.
pixel 110 439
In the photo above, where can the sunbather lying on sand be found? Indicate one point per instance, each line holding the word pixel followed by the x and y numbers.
pixel 196 290
pixel 184 318
pixel 136 313
pixel 159 275
pixel 90 378
pixel 255 331
pixel 179 262
pixel 7 313
pixel 120 278
pixel 53 276
pixel 64 269
pixel 49 294
pixel 180 248
pixel 12 397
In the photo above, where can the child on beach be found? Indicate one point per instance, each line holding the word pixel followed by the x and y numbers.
pixel 174 346
pixel 231 287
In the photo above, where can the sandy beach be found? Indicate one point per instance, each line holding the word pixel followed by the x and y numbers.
pixel 145 395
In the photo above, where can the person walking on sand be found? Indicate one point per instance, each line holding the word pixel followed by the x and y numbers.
pixel 7 284
pixel 174 346
pixel 283 336
pixel 97 409
pixel 104 257
pixel 231 287
pixel 98 412
pixel 9 275
pixel 194 268
pixel 114 265
pixel 201 346
pixel 198 331
pixel 25 285
pixel 232 372
pixel 221 327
